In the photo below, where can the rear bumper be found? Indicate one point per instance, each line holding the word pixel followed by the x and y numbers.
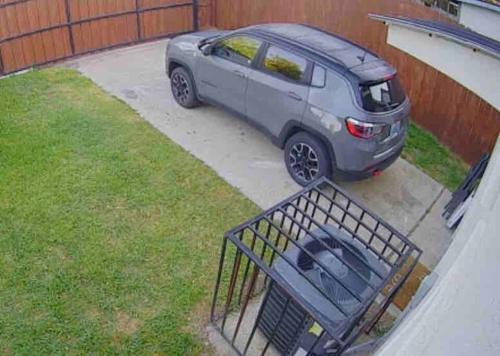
pixel 370 171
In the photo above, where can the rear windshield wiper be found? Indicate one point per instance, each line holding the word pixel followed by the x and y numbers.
pixel 392 105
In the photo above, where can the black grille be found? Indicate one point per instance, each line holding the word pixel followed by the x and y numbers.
pixel 282 321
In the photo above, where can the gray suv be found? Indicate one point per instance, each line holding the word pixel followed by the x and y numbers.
pixel 337 109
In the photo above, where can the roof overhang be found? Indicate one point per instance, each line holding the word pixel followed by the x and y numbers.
pixel 453 33
pixel 467 57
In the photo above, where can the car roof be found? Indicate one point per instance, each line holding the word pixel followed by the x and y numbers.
pixel 337 52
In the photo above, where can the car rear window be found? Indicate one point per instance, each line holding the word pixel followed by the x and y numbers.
pixel 383 96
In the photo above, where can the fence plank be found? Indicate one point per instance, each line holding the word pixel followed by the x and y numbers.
pixel 206 10
pixel 167 21
pixel 34 21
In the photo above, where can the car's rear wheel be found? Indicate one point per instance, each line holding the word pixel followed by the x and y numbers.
pixel 306 158
pixel 183 88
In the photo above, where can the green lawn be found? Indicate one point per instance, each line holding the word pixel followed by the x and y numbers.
pixel 109 232
pixel 424 151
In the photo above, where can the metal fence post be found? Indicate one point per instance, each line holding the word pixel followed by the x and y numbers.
pixel 213 14
pixel 138 20
pixel 1 62
pixel 70 26
pixel 196 9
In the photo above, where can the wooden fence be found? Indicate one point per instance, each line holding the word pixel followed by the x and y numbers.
pixel 458 117
pixel 42 31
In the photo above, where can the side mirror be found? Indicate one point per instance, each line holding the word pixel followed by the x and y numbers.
pixel 207 50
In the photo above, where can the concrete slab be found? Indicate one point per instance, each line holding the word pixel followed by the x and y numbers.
pixel 431 234
pixel 244 157
pixel 401 195
pixel 259 341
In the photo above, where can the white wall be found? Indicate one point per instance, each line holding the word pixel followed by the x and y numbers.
pixel 461 313
pixel 481 20
pixel 477 71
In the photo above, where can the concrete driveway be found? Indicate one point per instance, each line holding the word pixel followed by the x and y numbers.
pixel 245 158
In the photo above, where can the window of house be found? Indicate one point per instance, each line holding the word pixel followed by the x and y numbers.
pixel 451 7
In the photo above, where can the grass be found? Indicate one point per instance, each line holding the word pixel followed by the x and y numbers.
pixel 424 151
pixel 109 232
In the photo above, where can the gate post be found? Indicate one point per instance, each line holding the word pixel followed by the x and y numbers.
pixel 196 9
pixel 70 26
pixel 138 20
pixel 1 62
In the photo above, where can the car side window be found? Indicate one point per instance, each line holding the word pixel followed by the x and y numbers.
pixel 285 64
pixel 238 49
pixel 318 77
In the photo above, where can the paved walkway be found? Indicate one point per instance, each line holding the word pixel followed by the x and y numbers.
pixel 245 158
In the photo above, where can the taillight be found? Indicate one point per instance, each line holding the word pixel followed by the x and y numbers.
pixel 364 130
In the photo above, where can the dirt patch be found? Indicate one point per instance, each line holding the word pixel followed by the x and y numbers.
pixel 125 324
pixel 197 325
pixel 408 290
pixel 62 253
pixel 93 314
pixel 6 351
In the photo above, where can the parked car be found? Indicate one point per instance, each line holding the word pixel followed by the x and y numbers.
pixel 337 109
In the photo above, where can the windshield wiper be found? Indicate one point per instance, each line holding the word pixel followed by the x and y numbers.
pixel 206 41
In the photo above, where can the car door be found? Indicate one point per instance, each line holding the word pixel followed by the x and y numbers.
pixel 223 74
pixel 277 92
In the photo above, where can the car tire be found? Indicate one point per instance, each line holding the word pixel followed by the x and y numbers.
pixel 307 158
pixel 183 88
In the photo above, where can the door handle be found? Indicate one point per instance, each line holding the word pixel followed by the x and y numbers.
pixel 294 96
pixel 240 74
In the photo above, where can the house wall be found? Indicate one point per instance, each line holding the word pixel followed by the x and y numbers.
pixel 482 20
pixel 460 315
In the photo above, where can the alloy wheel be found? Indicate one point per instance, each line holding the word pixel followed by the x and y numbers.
pixel 180 88
pixel 304 162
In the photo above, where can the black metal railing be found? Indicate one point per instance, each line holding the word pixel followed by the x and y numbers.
pixel 252 292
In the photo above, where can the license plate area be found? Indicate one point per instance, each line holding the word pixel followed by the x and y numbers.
pixel 395 128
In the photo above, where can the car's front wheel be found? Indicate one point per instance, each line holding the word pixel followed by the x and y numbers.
pixel 306 158
pixel 183 88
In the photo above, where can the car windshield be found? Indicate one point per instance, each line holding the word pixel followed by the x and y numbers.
pixel 383 96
